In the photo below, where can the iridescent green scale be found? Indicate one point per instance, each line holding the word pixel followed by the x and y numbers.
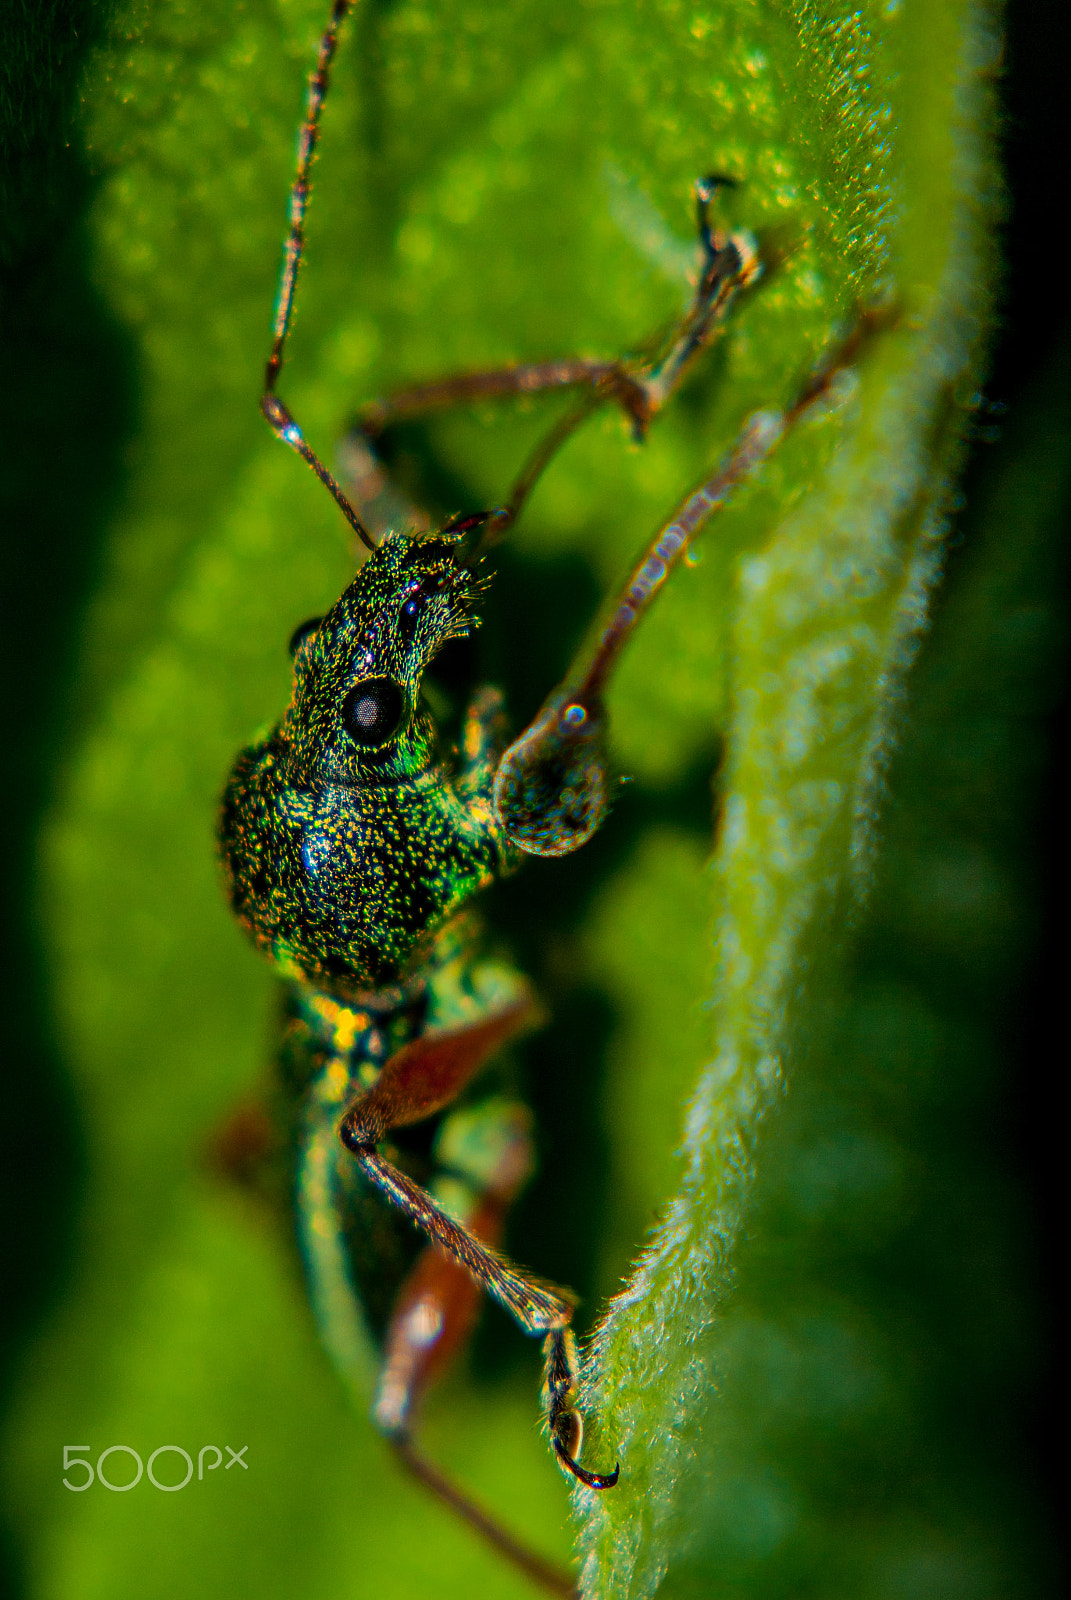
pixel 346 858
pixel 356 1250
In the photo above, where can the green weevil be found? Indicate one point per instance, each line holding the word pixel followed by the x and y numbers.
pixel 353 845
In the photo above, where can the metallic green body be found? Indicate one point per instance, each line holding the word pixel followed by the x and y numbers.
pixel 357 1250
pixel 350 866
pixel 345 861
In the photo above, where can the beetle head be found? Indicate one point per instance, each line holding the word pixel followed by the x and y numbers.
pixel 356 715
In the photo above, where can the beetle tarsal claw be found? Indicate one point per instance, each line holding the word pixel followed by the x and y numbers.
pixel 592 1480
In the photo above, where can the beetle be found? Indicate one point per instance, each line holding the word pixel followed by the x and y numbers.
pixel 353 844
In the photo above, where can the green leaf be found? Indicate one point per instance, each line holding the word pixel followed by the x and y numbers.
pixel 503 184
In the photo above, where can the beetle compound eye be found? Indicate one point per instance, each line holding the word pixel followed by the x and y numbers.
pixel 372 711
pixel 303 631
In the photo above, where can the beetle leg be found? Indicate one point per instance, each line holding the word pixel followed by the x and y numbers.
pixel 382 505
pixel 560 1383
pixel 496 383
pixel 641 387
pixel 730 263
pixel 545 1573
pixel 424 1077
pixel 552 786
pixel 488 1152
pixel 484 1155
pixel 484 735
pixel 537 1306
pixel 427 1074
pixel 436 1306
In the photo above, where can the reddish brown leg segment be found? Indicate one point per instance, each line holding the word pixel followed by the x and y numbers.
pixel 421 1079
pixel 640 387
pixel 436 1309
pixel 562 751
pixel 545 1573
pixel 496 383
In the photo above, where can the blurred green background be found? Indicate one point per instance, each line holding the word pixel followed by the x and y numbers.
pixel 501 183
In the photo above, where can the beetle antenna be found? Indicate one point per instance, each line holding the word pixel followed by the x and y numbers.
pixel 271 406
